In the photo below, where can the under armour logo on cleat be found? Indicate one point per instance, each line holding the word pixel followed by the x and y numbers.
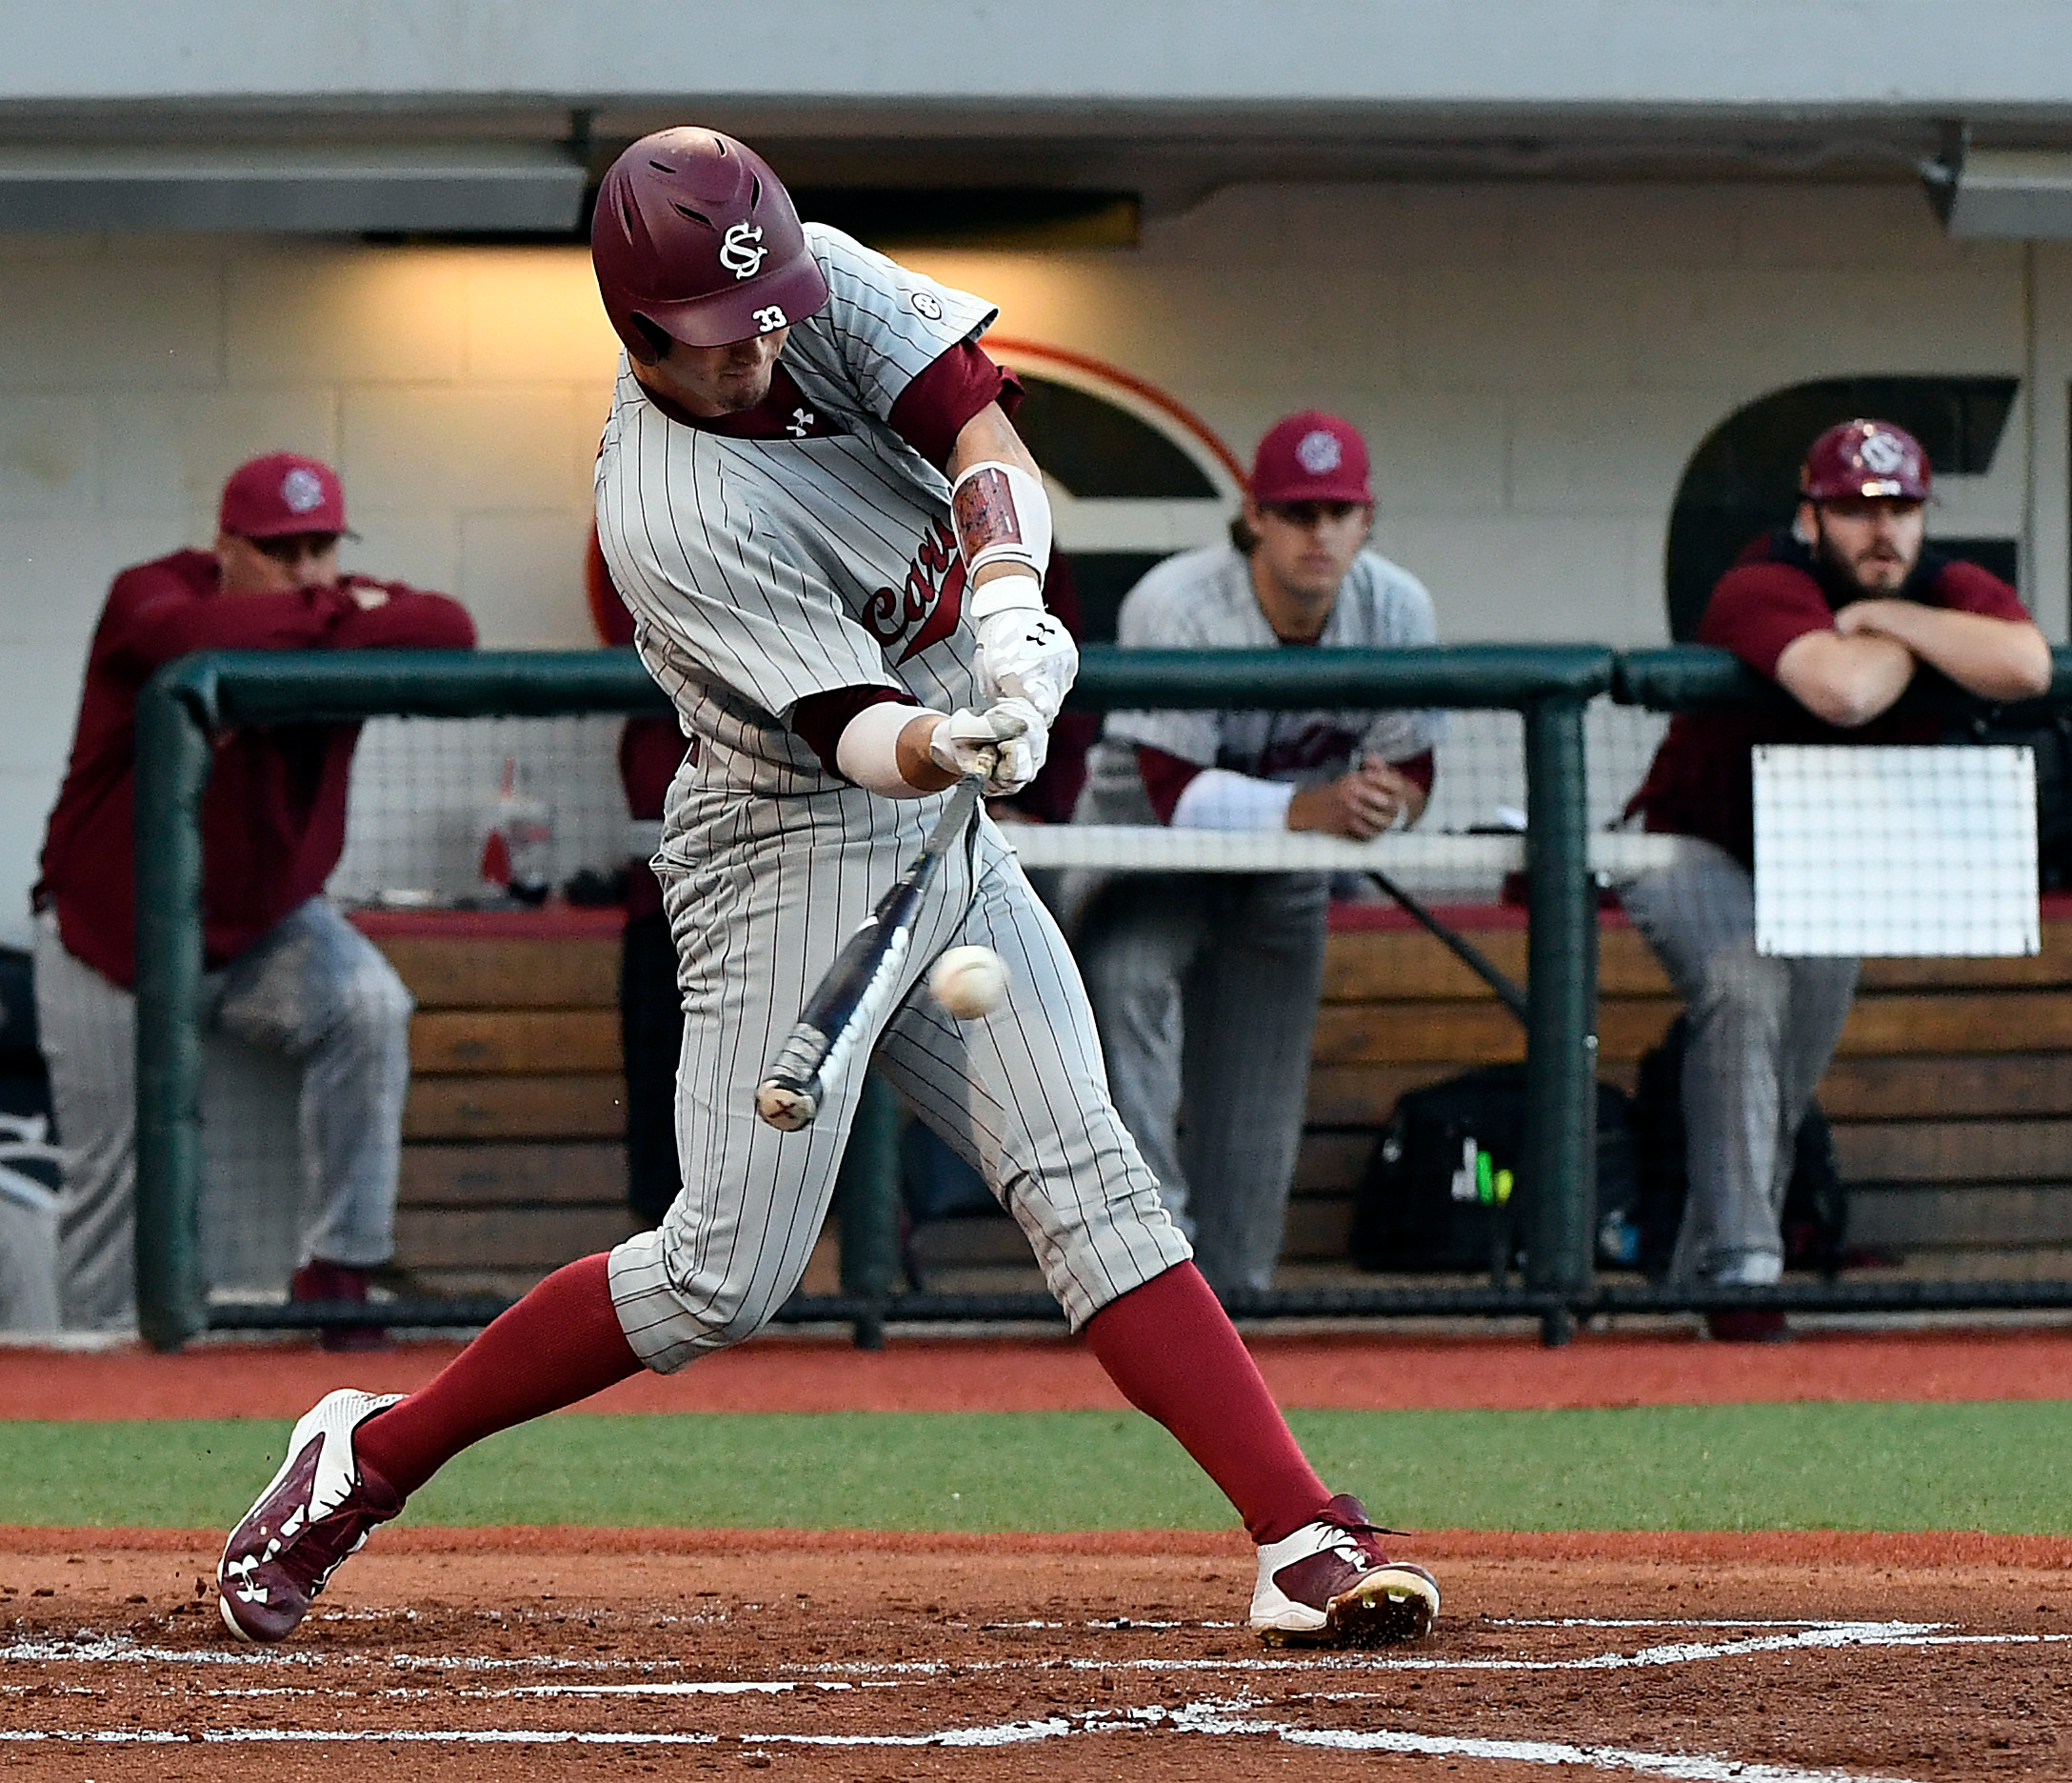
pixel 247 1591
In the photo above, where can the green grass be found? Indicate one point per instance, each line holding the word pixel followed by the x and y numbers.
pixel 1992 1467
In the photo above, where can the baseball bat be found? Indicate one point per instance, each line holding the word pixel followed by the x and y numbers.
pixel 853 993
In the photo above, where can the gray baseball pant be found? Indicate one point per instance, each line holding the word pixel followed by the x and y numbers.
pixel 1762 1033
pixel 312 988
pixel 1019 1094
pixel 1205 990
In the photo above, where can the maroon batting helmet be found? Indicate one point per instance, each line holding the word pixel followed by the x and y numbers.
pixel 1865 458
pixel 695 239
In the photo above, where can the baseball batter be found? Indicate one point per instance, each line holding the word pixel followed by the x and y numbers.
pixel 832 540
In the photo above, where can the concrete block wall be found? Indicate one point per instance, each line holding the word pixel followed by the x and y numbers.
pixel 459 392
pixel 1534 365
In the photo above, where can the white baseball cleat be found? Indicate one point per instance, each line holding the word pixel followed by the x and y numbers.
pixel 1330 1585
pixel 321 1507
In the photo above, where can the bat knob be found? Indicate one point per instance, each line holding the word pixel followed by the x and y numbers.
pixel 786 1107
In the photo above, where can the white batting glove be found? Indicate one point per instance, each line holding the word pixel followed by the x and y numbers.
pixel 1007 743
pixel 1026 653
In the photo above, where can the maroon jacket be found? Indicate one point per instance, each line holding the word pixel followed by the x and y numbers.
pixel 274 820
pixel 1702 782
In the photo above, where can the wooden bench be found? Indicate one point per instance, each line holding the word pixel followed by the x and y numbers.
pixel 1950 1094
pixel 514 1134
pixel 1950 1097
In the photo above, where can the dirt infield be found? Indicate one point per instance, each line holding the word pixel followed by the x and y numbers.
pixel 864 1657
pixel 1355 1373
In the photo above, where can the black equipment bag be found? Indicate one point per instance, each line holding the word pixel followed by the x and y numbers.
pixel 1444 1190
pixel 1816 1218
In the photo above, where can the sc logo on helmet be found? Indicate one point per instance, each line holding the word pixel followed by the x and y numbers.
pixel 742 251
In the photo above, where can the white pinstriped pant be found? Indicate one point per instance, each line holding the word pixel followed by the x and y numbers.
pixel 1763 1029
pixel 312 988
pixel 1020 1093
pixel 1206 987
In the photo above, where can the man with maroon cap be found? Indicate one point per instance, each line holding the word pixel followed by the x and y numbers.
pixel 1839 610
pixel 284 969
pixel 1204 986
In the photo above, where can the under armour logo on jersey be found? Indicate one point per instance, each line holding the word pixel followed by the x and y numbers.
pixel 302 490
pixel 1319 451
pixel 801 423
pixel 1881 452
pixel 927 304
pixel 741 252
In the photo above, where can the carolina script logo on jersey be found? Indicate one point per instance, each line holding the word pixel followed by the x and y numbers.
pixel 923 610
pixel 742 251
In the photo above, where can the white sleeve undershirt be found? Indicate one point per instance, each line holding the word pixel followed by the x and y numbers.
pixel 867 750
pixel 1218 799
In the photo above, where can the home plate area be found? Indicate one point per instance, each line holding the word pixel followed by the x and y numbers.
pixel 874 1658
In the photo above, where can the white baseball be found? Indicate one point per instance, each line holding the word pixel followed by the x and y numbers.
pixel 968 981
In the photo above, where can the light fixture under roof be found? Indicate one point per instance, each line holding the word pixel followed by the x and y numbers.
pixel 2002 194
pixel 469 187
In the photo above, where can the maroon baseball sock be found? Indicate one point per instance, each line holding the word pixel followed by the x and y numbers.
pixel 561 1343
pixel 1172 1350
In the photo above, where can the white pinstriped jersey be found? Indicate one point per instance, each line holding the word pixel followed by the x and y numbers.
pixel 761 570
pixel 1204 600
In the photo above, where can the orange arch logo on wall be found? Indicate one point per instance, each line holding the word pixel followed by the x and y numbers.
pixel 1134 476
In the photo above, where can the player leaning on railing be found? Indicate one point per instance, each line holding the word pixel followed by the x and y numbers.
pixel 832 541
pixel 284 971
pixel 1839 610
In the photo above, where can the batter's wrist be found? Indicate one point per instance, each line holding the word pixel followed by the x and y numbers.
pixel 917 763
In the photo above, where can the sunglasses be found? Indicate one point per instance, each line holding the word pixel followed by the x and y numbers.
pixel 290 549
pixel 1309 514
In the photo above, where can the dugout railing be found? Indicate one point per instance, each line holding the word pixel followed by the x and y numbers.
pixel 1550 687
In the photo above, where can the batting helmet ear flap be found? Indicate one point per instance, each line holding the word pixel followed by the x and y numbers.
pixel 656 340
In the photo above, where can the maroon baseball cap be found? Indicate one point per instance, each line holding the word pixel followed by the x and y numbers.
pixel 280 494
pixel 1871 460
pixel 1311 457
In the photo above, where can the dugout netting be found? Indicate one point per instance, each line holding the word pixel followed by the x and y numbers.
pixel 1539 751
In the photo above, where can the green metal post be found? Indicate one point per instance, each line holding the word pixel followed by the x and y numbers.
pixel 173 759
pixel 1561 1034
pixel 867 1201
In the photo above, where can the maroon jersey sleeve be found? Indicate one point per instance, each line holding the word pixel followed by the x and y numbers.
pixel 933 409
pixel 1166 778
pixel 819 719
pixel 1758 609
pixel 1965 588
pixel 160 611
pixel 408 619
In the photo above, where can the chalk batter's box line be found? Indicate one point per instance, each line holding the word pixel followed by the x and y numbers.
pixel 1210 1717
pixel 1793 1636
